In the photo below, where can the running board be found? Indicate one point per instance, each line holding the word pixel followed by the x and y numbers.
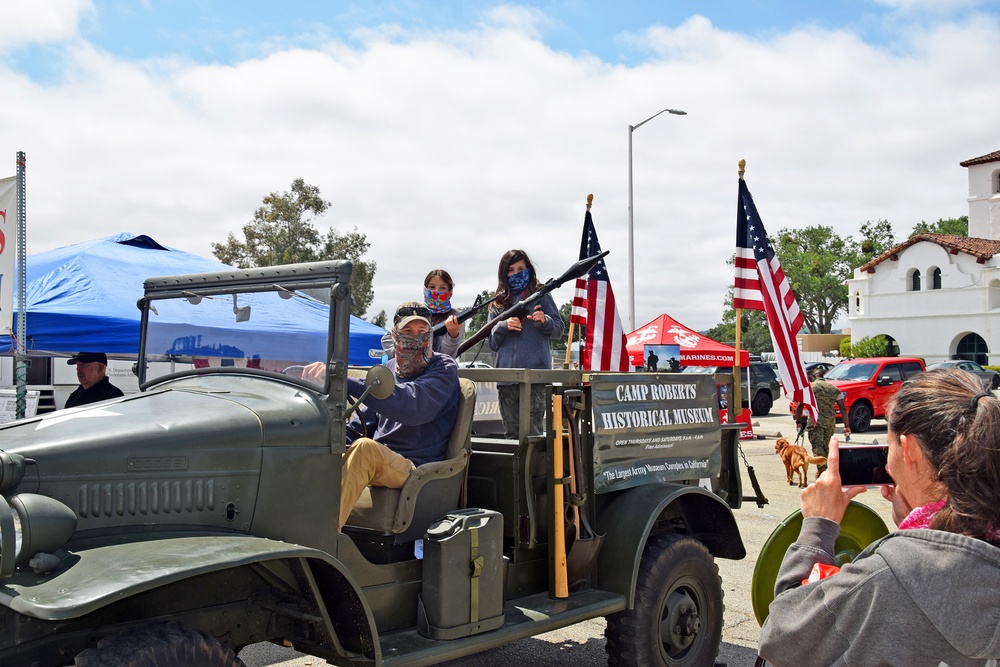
pixel 524 617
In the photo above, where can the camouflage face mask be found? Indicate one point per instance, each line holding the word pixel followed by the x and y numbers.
pixel 413 353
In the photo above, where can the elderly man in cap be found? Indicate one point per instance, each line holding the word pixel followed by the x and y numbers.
pixel 393 435
pixel 92 372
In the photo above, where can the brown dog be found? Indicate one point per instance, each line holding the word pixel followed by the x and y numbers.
pixel 797 460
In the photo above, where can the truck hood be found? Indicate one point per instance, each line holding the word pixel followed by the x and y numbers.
pixel 847 385
pixel 193 419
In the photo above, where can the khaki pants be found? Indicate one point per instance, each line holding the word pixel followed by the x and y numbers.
pixel 367 462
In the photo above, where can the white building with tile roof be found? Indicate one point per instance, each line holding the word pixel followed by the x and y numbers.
pixel 937 296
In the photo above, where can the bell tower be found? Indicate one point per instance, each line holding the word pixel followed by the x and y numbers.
pixel 984 196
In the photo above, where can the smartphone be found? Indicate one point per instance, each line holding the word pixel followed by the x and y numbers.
pixel 864 465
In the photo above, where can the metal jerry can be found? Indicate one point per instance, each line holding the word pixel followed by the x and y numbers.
pixel 463 575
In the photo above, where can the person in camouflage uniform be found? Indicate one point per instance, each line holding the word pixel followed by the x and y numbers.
pixel 828 398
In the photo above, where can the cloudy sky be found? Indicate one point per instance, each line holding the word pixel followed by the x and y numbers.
pixel 449 132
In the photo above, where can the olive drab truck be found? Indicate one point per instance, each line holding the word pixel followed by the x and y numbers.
pixel 180 524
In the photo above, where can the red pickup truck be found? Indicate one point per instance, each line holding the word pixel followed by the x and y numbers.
pixel 867 384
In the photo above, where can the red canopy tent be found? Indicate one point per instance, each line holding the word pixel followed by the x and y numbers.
pixel 696 350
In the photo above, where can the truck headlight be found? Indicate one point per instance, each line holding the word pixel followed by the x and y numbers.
pixel 31 524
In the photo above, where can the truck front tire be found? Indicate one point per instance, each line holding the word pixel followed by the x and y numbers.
pixel 860 416
pixel 161 645
pixel 761 404
pixel 677 617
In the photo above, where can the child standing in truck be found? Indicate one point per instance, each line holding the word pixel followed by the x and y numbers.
pixel 438 289
pixel 522 342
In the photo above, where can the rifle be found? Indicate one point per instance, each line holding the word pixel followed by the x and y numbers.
pixel 439 329
pixel 525 306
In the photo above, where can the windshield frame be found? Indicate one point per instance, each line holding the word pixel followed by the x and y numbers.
pixel 289 282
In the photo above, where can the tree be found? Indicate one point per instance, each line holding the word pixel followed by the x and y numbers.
pixel 564 312
pixel 876 239
pixel 817 262
pixel 754 334
pixel 479 320
pixel 282 232
pixel 865 347
pixel 955 226
pixel 381 319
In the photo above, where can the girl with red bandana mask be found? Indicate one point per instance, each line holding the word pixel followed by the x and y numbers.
pixel 438 290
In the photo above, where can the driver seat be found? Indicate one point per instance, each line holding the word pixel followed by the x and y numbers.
pixel 431 491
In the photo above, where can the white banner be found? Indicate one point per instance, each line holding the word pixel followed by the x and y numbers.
pixel 8 252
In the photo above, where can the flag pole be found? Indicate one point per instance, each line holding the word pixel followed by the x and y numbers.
pixel 21 355
pixel 737 382
pixel 569 338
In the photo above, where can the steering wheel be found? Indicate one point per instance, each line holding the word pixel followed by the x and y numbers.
pixel 295 370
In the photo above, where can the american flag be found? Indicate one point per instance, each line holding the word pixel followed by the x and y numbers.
pixel 761 285
pixel 594 308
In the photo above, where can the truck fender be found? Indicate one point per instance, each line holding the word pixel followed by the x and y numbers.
pixel 93 578
pixel 628 520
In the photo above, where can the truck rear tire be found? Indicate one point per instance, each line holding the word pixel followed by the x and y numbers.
pixel 161 645
pixel 677 617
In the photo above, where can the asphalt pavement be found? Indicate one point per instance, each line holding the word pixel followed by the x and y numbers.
pixel 582 645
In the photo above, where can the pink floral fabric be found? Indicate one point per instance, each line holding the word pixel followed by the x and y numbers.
pixel 921 516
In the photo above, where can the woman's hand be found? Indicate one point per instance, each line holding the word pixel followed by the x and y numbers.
pixel 827 498
pixel 901 507
pixel 452 325
pixel 514 324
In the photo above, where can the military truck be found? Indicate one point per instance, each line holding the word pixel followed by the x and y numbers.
pixel 180 524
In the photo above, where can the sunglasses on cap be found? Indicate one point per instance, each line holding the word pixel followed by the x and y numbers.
pixel 407 311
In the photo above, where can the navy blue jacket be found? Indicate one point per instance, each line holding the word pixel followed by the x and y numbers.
pixel 417 419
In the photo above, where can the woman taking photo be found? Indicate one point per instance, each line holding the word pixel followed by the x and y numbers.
pixel 927 594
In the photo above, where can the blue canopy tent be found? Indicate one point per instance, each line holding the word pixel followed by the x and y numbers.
pixel 83 297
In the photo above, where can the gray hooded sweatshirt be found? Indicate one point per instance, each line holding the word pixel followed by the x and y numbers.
pixel 915 597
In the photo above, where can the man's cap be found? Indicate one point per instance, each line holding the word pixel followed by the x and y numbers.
pixel 88 357
pixel 409 312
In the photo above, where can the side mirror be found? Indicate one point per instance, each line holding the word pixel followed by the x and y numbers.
pixel 884 381
pixel 379 382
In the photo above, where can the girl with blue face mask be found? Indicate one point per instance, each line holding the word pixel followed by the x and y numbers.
pixel 522 342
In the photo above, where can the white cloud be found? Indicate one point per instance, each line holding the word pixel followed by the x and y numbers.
pixel 449 149
pixel 40 21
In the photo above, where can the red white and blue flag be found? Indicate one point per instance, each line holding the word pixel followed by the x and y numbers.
pixel 761 285
pixel 594 307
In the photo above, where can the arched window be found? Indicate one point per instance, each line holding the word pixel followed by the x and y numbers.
pixel 974 348
pixel 915 281
pixel 858 309
pixel 936 279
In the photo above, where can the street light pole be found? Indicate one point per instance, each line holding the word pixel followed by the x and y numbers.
pixel 631 244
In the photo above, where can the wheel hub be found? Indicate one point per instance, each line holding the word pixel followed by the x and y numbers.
pixel 681 623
